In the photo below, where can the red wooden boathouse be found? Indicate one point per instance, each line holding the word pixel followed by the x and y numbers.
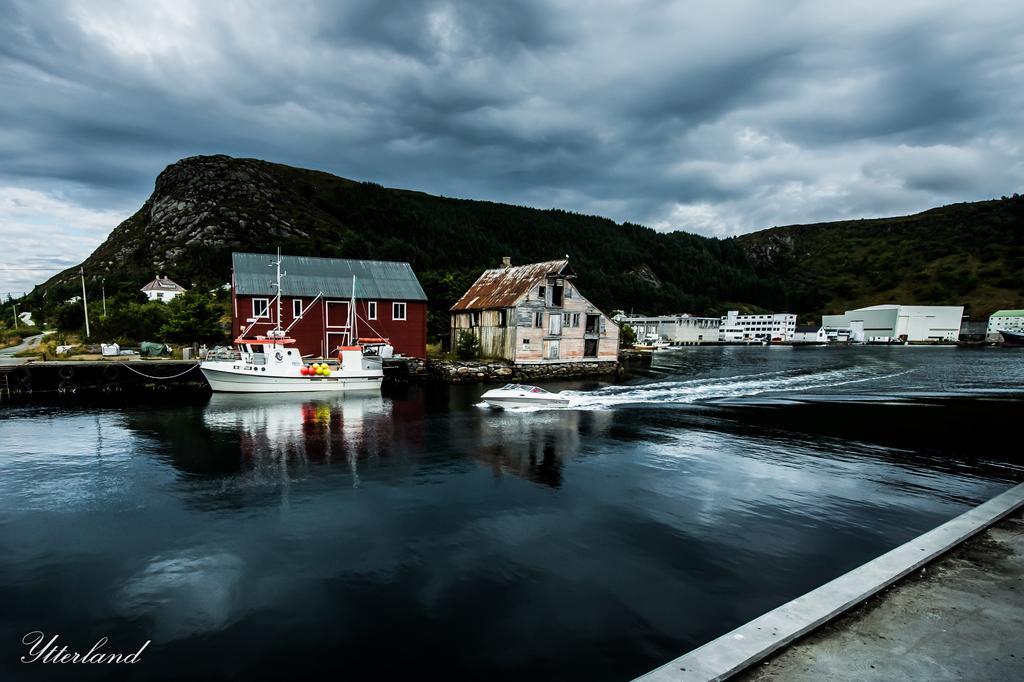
pixel 316 294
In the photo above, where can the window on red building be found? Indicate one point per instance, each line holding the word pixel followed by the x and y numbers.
pixel 260 307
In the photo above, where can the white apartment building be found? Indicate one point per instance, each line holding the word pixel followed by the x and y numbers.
pixel 1007 320
pixel 736 328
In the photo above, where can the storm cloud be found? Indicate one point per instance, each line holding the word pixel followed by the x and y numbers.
pixel 717 118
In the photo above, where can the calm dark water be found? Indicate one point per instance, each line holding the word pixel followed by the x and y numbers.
pixel 419 534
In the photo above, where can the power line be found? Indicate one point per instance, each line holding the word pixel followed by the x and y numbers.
pixel 6 269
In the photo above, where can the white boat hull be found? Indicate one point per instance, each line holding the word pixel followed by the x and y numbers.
pixel 526 402
pixel 233 381
pixel 512 395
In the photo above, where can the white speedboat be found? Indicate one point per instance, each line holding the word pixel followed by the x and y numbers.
pixel 518 395
pixel 268 364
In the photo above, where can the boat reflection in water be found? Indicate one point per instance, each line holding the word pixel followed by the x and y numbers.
pixel 283 432
pixel 535 445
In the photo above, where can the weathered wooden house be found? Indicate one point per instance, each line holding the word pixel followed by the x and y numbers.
pixel 532 314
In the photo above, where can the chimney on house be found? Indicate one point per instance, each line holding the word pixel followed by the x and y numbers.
pixel 506 261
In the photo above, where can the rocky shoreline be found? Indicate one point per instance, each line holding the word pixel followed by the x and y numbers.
pixel 494 371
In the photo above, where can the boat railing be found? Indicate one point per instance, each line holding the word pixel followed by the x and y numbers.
pixel 222 353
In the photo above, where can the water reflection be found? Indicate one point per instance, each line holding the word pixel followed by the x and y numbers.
pixel 185 594
pixel 590 544
pixel 283 427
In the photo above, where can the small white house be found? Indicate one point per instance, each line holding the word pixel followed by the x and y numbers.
pixel 804 333
pixel 162 289
pixel 25 319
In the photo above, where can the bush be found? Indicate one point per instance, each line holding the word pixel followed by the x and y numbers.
pixel 468 346
pixel 627 337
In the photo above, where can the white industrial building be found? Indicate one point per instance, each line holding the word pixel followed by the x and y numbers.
pixel 913 323
pixel 679 330
pixel 1006 320
pixel 736 328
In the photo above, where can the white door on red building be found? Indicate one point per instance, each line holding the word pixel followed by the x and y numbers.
pixel 337 314
pixel 334 341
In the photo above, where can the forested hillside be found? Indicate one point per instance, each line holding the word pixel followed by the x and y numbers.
pixel 969 253
pixel 203 208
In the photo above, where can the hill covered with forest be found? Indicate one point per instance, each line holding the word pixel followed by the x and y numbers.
pixel 203 208
pixel 969 253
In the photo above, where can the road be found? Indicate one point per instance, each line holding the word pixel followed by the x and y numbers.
pixel 7 354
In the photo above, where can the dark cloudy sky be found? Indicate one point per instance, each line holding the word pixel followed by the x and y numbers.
pixel 713 117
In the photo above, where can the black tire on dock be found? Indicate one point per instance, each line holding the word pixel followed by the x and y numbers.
pixel 162 388
pixel 67 386
pixel 23 375
pixel 111 372
pixel 66 372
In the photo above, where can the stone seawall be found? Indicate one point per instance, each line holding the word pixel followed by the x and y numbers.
pixel 460 371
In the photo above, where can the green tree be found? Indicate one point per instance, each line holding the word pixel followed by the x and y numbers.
pixel 70 318
pixel 468 346
pixel 128 321
pixel 193 316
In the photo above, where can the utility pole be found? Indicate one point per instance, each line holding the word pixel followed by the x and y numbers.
pixel 15 306
pixel 103 290
pixel 85 303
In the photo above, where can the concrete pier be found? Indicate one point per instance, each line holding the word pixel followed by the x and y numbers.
pixel 753 642
pixel 107 376
pixel 959 618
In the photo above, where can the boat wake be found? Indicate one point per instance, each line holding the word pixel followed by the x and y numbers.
pixel 696 390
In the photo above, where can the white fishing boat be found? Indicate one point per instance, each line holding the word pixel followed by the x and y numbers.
pixel 652 342
pixel 518 395
pixel 271 364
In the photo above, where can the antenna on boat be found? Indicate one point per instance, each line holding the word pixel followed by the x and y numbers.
pixel 277 332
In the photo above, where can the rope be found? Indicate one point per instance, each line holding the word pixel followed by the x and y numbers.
pixel 155 377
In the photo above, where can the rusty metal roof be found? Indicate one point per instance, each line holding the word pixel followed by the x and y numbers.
pixel 503 287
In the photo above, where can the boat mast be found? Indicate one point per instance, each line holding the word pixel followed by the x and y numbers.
pixel 353 337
